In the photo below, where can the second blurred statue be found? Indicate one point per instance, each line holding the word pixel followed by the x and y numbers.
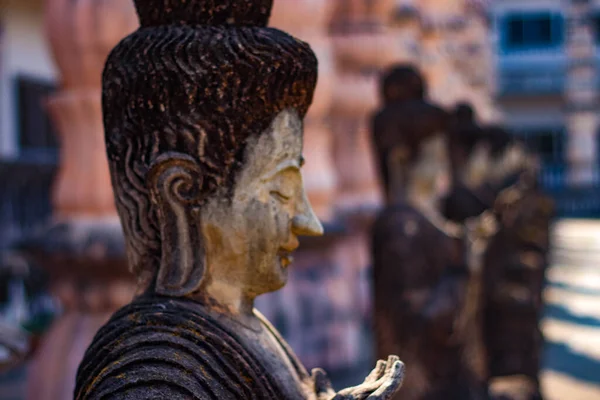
pixel 512 262
pixel 514 267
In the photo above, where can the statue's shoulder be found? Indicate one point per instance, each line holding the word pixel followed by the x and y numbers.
pixel 156 347
pixel 300 370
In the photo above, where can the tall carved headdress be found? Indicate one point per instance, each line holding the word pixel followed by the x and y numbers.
pixel 181 98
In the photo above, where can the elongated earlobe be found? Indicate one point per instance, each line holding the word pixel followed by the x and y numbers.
pixel 175 180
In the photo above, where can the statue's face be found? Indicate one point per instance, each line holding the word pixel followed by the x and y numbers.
pixel 250 239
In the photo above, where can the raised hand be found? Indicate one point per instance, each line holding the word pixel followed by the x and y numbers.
pixel 381 384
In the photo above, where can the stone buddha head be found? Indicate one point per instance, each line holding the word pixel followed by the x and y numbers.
pixel 203 110
pixel 410 136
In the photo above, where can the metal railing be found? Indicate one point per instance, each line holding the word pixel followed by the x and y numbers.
pixel 530 80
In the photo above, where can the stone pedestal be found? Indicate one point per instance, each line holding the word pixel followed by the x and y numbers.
pixel 82 246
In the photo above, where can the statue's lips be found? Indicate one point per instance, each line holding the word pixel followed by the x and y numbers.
pixel 286 258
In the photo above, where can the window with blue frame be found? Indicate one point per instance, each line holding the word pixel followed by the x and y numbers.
pixel 596 25
pixel 36 132
pixel 532 30
pixel 548 143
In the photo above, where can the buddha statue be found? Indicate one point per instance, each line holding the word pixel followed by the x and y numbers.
pixel 515 264
pixel 420 264
pixel 203 109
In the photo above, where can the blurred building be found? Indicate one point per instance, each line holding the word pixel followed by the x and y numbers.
pixel 28 145
pixel 546 60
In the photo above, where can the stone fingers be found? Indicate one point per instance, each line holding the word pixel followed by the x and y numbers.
pixel 377 372
pixel 385 379
pixel 392 381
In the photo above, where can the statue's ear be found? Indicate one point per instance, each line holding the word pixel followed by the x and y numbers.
pixel 175 181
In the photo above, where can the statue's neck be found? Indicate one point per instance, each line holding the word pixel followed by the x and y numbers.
pixel 229 297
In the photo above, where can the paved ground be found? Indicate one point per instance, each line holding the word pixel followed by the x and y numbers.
pixel 572 321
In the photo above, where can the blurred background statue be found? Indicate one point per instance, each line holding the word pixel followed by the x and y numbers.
pixel 497 174
pixel 420 269
pixel 514 270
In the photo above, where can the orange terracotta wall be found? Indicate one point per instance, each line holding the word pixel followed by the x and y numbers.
pixel 81 34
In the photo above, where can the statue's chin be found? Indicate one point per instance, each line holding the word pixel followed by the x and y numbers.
pixel 278 277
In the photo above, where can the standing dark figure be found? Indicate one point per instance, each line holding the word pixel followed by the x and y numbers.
pixel 203 110
pixel 513 260
pixel 513 276
pixel 419 264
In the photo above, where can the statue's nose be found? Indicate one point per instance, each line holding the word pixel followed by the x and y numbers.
pixel 305 222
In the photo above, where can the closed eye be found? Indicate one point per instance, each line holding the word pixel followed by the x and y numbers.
pixel 280 196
